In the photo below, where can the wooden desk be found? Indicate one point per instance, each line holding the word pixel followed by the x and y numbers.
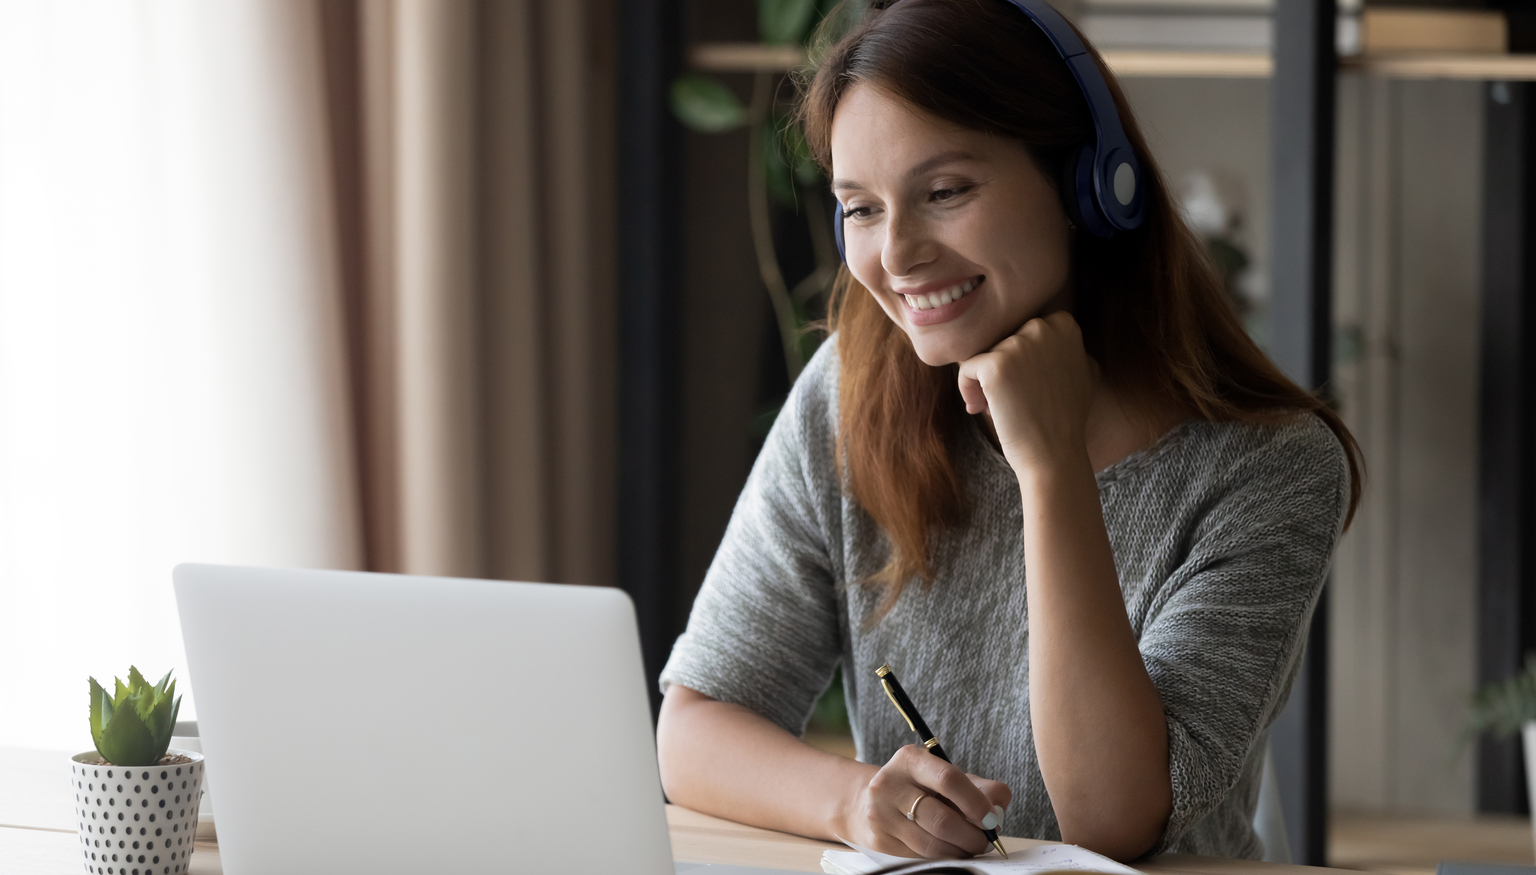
pixel 696 838
pixel 37 835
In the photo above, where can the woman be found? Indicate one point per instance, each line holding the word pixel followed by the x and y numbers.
pixel 1046 476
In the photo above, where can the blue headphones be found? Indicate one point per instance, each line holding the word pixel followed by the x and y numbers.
pixel 1106 191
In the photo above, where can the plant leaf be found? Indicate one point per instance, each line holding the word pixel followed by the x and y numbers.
pixel 163 724
pixel 780 185
pixel 101 712
pixel 125 741
pixel 175 710
pixel 705 105
pixel 136 681
pixel 783 22
pixel 160 687
pixel 121 692
pixel 143 701
pixel 807 171
pixel 1502 708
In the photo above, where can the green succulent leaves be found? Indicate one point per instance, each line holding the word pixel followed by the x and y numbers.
pixel 133 726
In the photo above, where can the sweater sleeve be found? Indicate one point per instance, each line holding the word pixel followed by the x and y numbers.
pixel 764 632
pixel 1225 644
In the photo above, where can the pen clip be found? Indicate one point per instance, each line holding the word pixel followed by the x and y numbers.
pixel 885 684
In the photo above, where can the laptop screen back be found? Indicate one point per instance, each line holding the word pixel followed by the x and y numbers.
pixel 383 723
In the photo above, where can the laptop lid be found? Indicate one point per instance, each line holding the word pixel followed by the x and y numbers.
pixel 357 722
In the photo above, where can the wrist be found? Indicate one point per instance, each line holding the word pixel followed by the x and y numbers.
pixel 1048 469
pixel 847 802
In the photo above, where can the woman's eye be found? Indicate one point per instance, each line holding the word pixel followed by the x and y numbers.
pixel 944 194
pixel 857 213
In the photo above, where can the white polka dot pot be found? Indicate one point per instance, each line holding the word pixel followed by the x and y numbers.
pixel 136 821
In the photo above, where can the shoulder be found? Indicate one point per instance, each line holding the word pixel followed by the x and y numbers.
pixel 1284 444
pixel 803 440
pixel 1298 446
pixel 815 391
pixel 1301 438
pixel 1293 463
pixel 810 411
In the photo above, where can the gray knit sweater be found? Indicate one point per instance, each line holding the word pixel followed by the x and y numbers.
pixel 1222 535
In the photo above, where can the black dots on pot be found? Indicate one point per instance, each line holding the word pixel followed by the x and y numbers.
pixel 98 799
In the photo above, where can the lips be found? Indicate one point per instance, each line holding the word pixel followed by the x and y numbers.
pixel 932 308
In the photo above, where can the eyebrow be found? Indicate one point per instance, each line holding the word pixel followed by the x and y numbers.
pixel 938 160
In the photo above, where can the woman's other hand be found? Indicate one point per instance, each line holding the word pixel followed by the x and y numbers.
pixel 1036 386
pixel 951 808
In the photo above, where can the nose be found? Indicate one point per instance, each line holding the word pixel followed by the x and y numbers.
pixel 908 244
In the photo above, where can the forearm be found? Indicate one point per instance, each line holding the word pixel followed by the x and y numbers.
pixel 1100 732
pixel 729 761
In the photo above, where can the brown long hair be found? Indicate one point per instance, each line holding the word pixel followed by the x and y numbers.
pixel 1153 310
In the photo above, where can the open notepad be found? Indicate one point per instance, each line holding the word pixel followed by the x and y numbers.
pixel 1033 861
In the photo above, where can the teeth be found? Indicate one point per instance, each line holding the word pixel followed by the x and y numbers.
pixel 940 298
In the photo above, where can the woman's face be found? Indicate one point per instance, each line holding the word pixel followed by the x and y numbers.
pixel 958 234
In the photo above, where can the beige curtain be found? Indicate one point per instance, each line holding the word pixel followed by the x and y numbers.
pixel 471 150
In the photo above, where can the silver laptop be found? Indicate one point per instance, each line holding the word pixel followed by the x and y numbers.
pixel 360 722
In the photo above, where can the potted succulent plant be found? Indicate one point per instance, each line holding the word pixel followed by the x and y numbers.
pixel 1508 707
pixel 135 800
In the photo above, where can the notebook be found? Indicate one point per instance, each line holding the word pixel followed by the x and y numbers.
pixel 1030 861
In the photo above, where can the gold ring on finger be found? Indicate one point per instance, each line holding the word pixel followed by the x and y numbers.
pixel 912 809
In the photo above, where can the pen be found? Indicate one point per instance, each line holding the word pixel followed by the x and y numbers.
pixel 914 720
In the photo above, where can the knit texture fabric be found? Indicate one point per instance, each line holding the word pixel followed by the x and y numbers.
pixel 1222 535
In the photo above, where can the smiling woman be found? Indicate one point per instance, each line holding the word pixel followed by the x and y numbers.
pixel 1042 471
pixel 928 224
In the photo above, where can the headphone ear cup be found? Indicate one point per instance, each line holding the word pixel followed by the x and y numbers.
pixel 1078 196
pixel 1066 186
pixel 837 230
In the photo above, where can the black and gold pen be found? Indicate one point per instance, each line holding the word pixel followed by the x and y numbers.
pixel 914 720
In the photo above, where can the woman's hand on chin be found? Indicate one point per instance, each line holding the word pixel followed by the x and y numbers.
pixel 1037 386
pixel 950 807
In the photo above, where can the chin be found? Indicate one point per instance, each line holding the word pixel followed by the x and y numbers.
pixel 937 352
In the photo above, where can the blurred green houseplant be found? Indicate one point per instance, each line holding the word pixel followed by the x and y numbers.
pixel 780 169
pixel 1502 709
pixel 1508 708
pixel 133 726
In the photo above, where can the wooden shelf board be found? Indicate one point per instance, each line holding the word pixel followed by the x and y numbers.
pixel 1427 66
pixel 752 57
pixel 744 57
pixel 1188 64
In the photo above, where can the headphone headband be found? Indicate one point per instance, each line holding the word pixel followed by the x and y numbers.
pixel 1106 179
pixel 1115 172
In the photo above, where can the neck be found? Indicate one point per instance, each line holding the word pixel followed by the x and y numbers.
pixel 1120 424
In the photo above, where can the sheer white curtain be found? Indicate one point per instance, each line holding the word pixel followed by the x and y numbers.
pixel 172 383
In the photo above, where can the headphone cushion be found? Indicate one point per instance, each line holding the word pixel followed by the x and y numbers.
pixel 1066 186
pixel 837 230
pixel 1082 203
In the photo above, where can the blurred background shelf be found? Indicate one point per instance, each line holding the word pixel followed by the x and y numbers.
pixel 1189 64
pixel 744 57
pixel 1489 67
pixel 752 57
